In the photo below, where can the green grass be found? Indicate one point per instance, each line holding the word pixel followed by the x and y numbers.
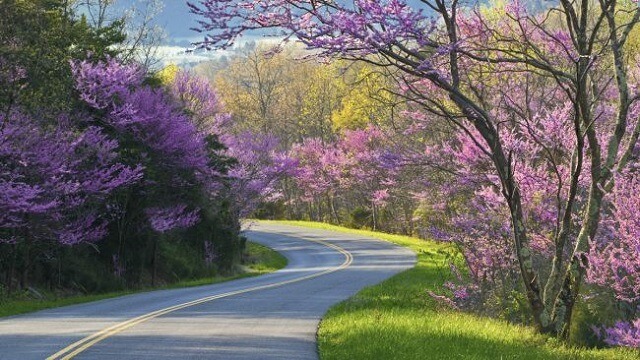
pixel 261 259
pixel 258 260
pixel 397 319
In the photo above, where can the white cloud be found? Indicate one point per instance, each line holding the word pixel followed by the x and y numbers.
pixel 180 55
pixel 168 54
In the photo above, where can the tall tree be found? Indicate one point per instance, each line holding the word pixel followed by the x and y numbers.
pixel 446 55
pixel 136 20
pixel 40 38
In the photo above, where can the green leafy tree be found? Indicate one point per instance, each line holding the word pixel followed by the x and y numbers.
pixel 39 38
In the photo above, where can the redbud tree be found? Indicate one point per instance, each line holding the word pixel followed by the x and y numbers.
pixel 454 61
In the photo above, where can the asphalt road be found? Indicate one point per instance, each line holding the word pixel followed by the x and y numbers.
pixel 273 316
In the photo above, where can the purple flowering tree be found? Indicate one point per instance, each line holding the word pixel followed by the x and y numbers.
pixel 259 167
pixel 614 260
pixel 200 102
pixel 369 167
pixel 319 174
pixel 55 183
pixel 173 133
pixel 49 177
pixel 449 58
pixel 172 148
pixel 358 165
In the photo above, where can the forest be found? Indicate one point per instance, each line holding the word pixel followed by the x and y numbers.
pixel 507 132
pixel 111 176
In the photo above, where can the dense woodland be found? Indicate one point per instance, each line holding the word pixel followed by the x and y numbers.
pixel 111 176
pixel 509 132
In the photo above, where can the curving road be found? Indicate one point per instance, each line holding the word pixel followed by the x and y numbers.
pixel 273 316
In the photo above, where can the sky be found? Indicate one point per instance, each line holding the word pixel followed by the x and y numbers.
pixel 177 22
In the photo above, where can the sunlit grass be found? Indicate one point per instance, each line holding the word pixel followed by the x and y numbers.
pixel 259 260
pixel 398 320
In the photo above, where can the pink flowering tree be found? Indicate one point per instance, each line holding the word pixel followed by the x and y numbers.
pixel 614 261
pixel 318 177
pixel 259 166
pixel 358 168
pixel 457 63
pixel 369 167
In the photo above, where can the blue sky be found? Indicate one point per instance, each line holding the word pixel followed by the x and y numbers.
pixel 177 20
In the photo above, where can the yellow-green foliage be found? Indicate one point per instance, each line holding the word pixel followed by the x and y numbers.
pixel 263 92
pixel 623 16
pixel 321 92
pixel 366 102
pixel 494 10
pixel 168 74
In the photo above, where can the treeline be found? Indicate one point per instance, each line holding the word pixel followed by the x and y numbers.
pixel 110 176
pixel 339 124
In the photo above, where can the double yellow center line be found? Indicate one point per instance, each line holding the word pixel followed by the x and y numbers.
pixel 81 345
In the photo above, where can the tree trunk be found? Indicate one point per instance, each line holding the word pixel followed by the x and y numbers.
pixel 525 261
pixel 566 300
pixel 320 211
pixel 154 262
pixel 12 269
pixel 330 209
pixel 511 193
pixel 567 297
pixel 24 277
pixel 333 210
pixel 373 215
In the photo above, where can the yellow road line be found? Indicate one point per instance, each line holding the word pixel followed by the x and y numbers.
pixel 81 345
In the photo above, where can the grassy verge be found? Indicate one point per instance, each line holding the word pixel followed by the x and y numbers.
pixel 262 260
pixel 396 319
pixel 258 260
